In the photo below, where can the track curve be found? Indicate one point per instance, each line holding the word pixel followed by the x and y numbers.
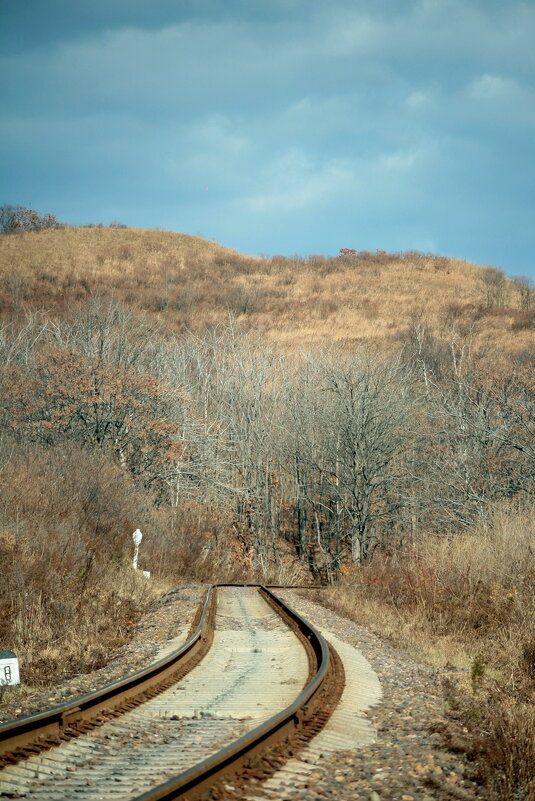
pixel 215 721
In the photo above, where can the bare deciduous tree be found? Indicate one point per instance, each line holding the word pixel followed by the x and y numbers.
pixel 494 286
pixel 524 286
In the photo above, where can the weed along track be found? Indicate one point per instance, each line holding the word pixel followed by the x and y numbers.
pixel 217 720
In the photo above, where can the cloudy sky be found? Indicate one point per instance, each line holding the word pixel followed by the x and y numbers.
pixel 278 126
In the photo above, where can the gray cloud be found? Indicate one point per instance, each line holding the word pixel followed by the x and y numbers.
pixel 281 126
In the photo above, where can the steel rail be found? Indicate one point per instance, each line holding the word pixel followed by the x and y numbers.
pixel 29 734
pixel 248 755
pixel 283 586
pixel 237 755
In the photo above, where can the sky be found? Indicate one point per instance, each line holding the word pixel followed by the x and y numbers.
pixel 278 126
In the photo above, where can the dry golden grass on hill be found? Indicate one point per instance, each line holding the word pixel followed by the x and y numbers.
pixel 95 447
pixel 189 283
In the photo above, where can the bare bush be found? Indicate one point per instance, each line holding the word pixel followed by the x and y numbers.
pixel 16 219
pixel 66 596
pixel 494 287
pixel 526 291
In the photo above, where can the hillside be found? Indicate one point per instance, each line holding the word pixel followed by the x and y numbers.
pixel 190 283
pixel 396 465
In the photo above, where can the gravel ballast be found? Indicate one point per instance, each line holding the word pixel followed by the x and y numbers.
pixel 408 762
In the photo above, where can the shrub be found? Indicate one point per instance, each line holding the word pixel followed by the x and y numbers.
pixel 523 320
pixel 467 596
pixel 15 219
pixel 66 596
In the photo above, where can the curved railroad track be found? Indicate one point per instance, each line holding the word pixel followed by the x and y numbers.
pixel 203 722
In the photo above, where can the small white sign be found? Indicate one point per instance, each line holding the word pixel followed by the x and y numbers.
pixel 146 573
pixel 9 669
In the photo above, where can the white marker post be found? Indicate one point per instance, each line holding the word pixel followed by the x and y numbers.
pixel 9 669
pixel 137 536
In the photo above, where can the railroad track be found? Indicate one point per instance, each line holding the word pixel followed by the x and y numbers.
pixel 205 721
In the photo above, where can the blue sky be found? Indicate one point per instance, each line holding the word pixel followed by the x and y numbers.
pixel 278 126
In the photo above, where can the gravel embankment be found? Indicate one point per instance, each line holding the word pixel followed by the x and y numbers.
pixel 409 761
pixel 169 618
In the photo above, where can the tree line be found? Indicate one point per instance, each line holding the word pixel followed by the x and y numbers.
pixel 326 455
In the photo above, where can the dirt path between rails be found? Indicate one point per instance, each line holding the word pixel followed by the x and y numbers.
pixel 407 761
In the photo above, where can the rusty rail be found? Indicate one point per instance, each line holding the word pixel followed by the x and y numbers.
pixel 26 735
pixel 257 753
pixel 239 755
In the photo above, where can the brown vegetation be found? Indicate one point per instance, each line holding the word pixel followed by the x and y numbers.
pixel 366 420
pixel 189 283
pixel 466 604
pixel 68 596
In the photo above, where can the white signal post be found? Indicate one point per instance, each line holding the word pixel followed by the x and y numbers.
pixel 137 536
